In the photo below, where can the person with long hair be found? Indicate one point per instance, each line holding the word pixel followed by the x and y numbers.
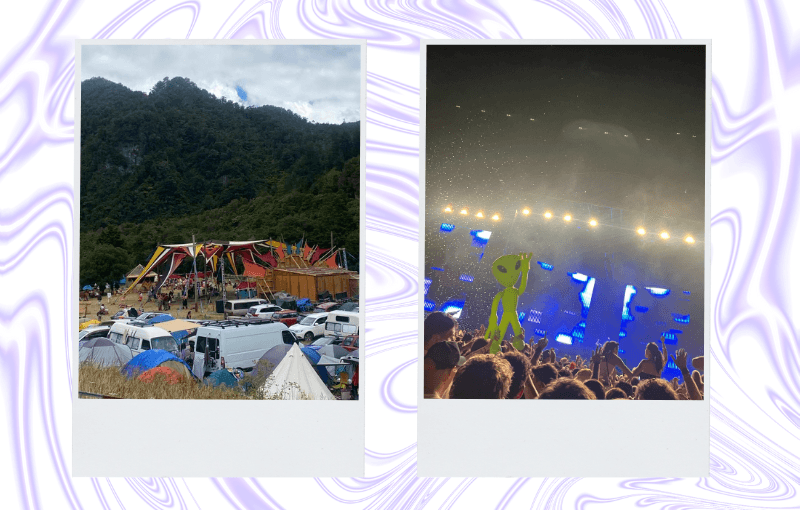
pixel 650 367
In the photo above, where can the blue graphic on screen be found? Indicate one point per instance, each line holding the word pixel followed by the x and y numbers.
pixel 586 298
pixel 429 305
pixel 564 339
pixel 630 292
pixel 427 285
pixel 546 266
pixel 479 239
pixel 447 227
pixel 655 291
pixel 453 308
pixel 466 278
pixel 680 318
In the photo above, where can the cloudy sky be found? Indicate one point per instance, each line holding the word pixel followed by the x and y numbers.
pixel 319 82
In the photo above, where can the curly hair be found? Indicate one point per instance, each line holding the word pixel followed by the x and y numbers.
pixel 655 389
pixel 521 366
pixel 567 389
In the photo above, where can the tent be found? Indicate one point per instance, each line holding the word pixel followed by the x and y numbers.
pixel 332 367
pixel 156 358
pixel 104 352
pixel 222 377
pixel 304 305
pixel 295 377
pixel 170 374
pixel 334 351
pixel 87 287
pixel 276 354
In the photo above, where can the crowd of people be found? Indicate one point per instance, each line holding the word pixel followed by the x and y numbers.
pixel 458 364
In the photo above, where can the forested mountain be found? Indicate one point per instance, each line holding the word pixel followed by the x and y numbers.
pixel 159 167
pixel 179 150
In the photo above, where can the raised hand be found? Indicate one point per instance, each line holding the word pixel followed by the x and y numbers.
pixel 680 359
pixel 542 343
pixel 597 356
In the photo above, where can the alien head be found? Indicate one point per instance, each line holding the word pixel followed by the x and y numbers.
pixel 507 269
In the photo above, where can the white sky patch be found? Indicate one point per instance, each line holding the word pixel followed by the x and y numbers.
pixel 319 82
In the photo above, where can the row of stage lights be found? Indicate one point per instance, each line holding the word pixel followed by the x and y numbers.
pixel 567 218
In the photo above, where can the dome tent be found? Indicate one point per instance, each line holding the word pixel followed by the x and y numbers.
pixel 104 352
pixel 156 358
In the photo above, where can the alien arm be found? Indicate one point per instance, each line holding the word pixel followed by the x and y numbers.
pixel 524 282
pixel 493 316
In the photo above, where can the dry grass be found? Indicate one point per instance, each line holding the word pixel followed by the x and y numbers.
pixel 111 382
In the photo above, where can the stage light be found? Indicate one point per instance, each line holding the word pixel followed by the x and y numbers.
pixel 526 211
pixel 689 239
pixel 548 215
pixel 448 209
pixel 664 235
pixel 479 215
pixel 641 231
pixel 567 218
pixel 593 223
pixel 464 211
pixel 496 217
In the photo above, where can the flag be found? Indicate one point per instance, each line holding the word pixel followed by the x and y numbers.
pixel 318 252
pixel 331 261
pixel 268 258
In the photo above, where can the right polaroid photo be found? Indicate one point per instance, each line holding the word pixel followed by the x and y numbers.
pixel 564 239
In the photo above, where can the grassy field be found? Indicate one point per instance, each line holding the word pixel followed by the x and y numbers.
pixel 109 381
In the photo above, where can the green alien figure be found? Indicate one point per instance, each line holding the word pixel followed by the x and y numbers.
pixel 506 270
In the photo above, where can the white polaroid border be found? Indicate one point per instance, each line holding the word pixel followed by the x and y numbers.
pixel 562 438
pixel 215 438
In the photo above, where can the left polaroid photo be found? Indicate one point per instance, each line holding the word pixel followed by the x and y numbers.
pixel 219 191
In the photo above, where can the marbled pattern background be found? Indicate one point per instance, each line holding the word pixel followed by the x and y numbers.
pixel 755 397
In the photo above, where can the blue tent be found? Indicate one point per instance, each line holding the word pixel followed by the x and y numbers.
pixel 151 359
pixel 87 287
pixel 304 304
pixel 164 317
pixel 180 336
pixel 222 377
pixel 312 355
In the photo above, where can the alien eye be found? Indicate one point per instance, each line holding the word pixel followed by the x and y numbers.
pixel 517 266
pixel 502 269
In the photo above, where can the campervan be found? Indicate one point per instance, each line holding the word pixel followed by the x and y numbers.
pixel 141 337
pixel 240 306
pixel 236 344
pixel 341 324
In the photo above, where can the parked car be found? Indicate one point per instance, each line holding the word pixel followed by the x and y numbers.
pixel 239 344
pixel 288 317
pixel 310 326
pixel 94 332
pixel 326 340
pixel 350 343
pixel 240 307
pixel 262 311
pixel 327 307
pixel 141 337
pixel 342 324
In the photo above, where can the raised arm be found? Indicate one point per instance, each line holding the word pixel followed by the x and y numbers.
pixel 540 345
pixel 597 358
pixel 621 364
pixel 691 387
pixel 526 266
pixel 664 355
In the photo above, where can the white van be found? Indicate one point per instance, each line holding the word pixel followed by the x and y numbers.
pixel 141 337
pixel 239 343
pixel 341 324
pixel 240 306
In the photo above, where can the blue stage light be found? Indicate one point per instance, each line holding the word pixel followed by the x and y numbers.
pixel 578 277
pixel 453 308
pixel 657 292
pixel 684 319
pixel 669 336
pixel 539 332
pixel 521 316
pixel 437 269
pixel 447 227
pixel 623 333
pixel 466 278
pixel 535 316
pixel 564 339
pixel 686 292
pixel 641 309
pixel 546 266
pixel 480 237
pixel 630 292
pixel 586 296
pixel 429 305
pixel 427 285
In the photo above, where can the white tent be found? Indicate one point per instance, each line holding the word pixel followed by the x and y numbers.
pixel 294 377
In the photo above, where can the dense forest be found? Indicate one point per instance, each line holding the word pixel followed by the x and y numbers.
pixel 159 167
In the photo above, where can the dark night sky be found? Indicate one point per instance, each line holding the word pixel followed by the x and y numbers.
pixel 575 94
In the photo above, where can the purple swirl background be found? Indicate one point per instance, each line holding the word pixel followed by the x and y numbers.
pixel 755 394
